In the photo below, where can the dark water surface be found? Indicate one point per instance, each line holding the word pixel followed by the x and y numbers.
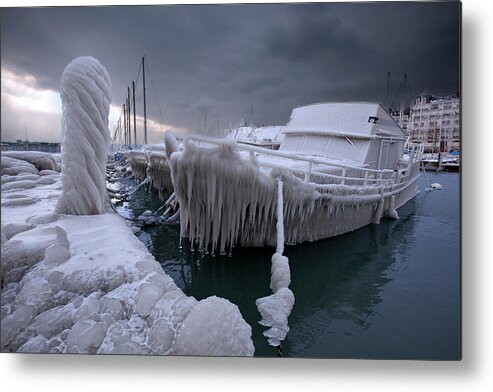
pixel 387 291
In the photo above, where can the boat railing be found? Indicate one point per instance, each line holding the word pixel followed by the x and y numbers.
pixel 345 175
pixel 150 158
pixel 158 159
pixel 138 163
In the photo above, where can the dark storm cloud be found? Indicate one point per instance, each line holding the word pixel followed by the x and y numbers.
pixel 313 33
pixel 218 60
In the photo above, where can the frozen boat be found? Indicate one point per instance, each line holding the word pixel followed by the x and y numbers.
pixel 342 165
pixel 266 136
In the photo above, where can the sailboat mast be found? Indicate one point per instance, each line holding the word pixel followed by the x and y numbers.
pixel 128 117
pixel 135 121
pixel 144 88
pixel 125 136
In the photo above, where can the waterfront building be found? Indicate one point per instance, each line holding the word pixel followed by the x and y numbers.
pixel 434 121
pixel 402 120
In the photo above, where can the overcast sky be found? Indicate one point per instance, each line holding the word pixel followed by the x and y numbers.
pixel 212 65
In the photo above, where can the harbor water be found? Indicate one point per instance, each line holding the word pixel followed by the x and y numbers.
pixel 386 291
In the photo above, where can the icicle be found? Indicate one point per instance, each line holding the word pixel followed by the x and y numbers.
pixel 392 212
pixel 280 219
pixel 276 308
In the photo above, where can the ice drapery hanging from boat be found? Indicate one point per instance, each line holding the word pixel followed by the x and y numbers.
pixel 86 98
pixel 226 199
pixel 222 198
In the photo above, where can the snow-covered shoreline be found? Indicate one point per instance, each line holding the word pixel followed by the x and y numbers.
pixel 86 284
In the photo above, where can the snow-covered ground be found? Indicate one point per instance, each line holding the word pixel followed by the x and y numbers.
pixel 86 284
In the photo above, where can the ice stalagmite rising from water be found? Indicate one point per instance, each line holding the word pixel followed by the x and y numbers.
pixel 86 98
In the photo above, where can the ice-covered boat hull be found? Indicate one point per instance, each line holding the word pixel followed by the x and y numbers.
pixel 152 165
pixel 227 200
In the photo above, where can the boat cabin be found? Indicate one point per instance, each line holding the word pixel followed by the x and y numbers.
pixel 360 134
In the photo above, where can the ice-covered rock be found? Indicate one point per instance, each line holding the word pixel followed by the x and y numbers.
pixel 224 334
pixel 15 185
pixel 161 337
pixel 23 201
pixel 86 284
pixel 37 292
pixel 15 322
pixel 89 307
pixel 37 344
pixel 20 177
pixel 86 336
pixel 147 296
pixel 40 160
pixel 148 218
pixel 25 250
pixel 113 307
pixel 86 98
pixel 12 166
pixel 127 337
pixel 43 219
pixel 12 229
pixel 54 321
pixel 46 180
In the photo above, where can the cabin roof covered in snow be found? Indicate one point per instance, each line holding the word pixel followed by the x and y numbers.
pixel 346 118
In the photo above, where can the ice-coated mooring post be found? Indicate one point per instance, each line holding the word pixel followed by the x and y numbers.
pixel 86 97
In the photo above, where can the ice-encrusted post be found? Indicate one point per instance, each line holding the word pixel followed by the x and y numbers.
pixel 276 308
pixel 280 219
pixel 86 98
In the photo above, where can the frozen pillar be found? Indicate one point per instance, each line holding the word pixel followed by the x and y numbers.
pixel 276 308
pixel 86 98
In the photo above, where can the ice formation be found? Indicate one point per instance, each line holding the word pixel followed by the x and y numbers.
pixel 40 160
pixel 436 186
pixel 13 166
pixel 276 308
pixel 159 172
pixel 86 284
pixel 201 334
pixel 138 163
pixel 226 199
pixel 154 166
pixel 211 185
pixel 86 97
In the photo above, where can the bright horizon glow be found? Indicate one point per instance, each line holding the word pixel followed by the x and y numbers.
pixel 21 91
pixel 38 112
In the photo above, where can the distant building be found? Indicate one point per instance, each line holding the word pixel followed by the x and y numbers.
pixel 403 120
pixel 20 145
pixel 435 121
